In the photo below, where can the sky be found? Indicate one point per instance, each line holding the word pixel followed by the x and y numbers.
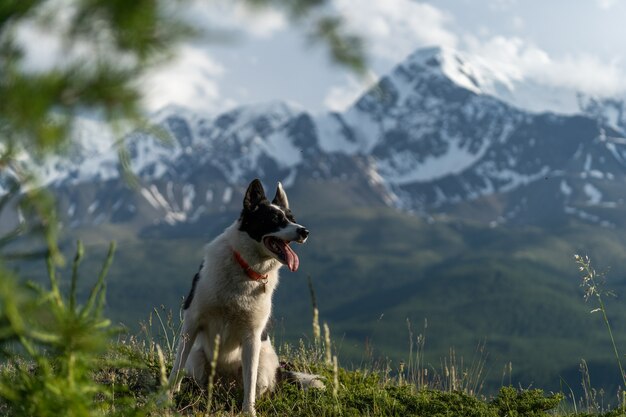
pixel 576 44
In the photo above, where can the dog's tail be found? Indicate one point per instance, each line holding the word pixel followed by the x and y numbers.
pixel 302 379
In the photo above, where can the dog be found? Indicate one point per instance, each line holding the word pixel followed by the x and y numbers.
pixel 231 297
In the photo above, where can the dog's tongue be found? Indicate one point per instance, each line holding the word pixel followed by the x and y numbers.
pixel 290 258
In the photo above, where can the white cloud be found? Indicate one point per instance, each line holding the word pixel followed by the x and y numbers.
pixel 518 23
pixel 502 5
pixel 229 16
pixel 519 60
pixel 508 56
pixel 42 51
pixel 261 23
pixel 340 97
pixel 395 28
pixel 45 48
pixel 586 73
pixel 189 80
pixel 606 4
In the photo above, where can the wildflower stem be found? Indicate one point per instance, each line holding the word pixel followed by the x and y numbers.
pixel 608 327
pixel 316 317
pixel 77 258
pixel 211 384
pixel 593 287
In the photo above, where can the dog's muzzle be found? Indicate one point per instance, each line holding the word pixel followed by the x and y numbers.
pixel 303 234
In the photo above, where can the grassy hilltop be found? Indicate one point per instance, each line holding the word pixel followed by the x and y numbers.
pixel 514 291
pixel 64 363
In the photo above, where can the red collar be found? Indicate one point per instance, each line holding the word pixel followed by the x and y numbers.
pixel 251 273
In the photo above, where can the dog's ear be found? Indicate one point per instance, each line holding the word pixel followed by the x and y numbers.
pixel 281 197
pixel 254 195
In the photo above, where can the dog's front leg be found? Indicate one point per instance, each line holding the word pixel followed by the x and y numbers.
pixel 250 365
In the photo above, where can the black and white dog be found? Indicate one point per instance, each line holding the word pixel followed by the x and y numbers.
pixel 231 296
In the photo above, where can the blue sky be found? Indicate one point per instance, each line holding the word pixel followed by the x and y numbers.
pixel 576 44
pixel 579 44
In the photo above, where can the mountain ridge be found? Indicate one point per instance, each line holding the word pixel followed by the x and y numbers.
pixel 430 135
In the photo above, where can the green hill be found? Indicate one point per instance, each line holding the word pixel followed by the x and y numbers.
pixel 514 289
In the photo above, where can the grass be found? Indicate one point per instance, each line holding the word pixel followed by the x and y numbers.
pixel 134 387
pixel 368 391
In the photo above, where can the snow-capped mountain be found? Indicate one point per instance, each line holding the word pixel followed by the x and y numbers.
pixel 197 164
pixel 439 133
pixel 512 87
pixel 440 138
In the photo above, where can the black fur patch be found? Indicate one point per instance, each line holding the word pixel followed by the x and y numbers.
pixel 189 298
pixel 264 219
pixel 258 217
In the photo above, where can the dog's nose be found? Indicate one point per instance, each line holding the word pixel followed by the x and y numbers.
pixel 303 233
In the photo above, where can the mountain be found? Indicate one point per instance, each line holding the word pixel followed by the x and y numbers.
pixel 198 166
pixel 446 191
pixel 436 136
pixel 438 140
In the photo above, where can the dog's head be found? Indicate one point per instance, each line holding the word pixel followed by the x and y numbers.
pixel 272 224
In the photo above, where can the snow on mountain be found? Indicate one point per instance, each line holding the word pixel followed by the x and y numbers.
pixel 444 128
pixel 499 80
pixel 441 129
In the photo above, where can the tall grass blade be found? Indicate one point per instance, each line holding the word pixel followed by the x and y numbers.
pixel 80 251
pixel 54 283
pixel 316 315
pixel 594 289
pixel 97 294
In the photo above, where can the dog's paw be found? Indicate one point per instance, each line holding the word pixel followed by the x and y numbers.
pixel 248 410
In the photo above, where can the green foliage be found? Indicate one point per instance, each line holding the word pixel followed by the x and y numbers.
pixel 365 397
pixel 532 403
pixel 53 346
pixel 124 40
pixel 346 49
